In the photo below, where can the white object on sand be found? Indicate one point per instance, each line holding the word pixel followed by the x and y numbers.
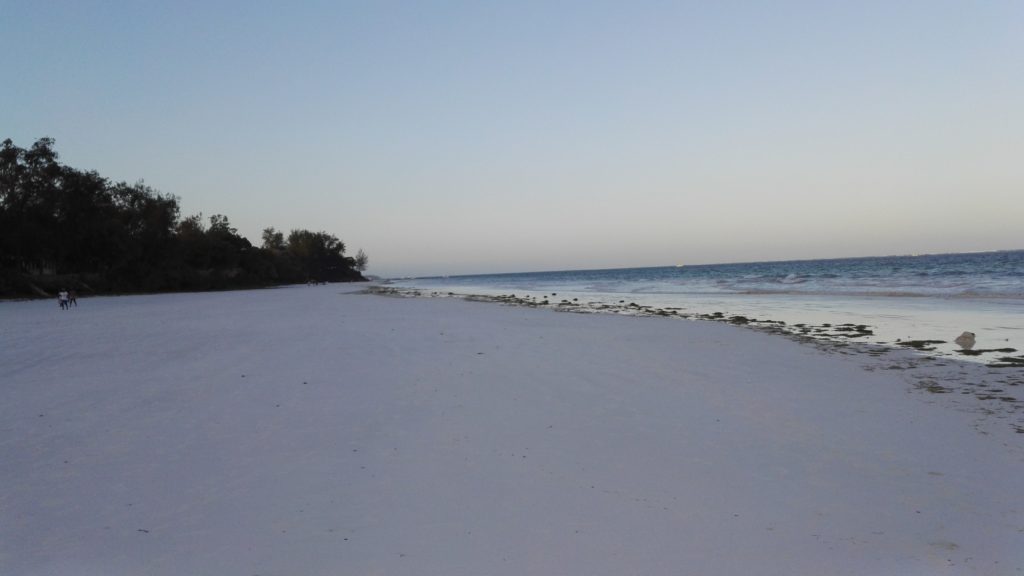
pixel 965 340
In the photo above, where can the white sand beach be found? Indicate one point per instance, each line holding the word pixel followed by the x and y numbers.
pixel 319 431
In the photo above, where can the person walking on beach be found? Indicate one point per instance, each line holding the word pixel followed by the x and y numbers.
pixel 62 299
pixel 72 298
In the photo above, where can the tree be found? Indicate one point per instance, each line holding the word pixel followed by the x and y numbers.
pixel 272 239
pixel 223 244
pixel 192 225
pixel 321 256
pixel 219 225
pixel 62 225
pixel 361 260
pixel 29 194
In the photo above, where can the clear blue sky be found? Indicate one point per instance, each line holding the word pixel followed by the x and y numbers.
pixel 459 137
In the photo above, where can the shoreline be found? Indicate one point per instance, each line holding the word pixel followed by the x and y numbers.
pixel 996 387
pixel 925 302
pixel 848 332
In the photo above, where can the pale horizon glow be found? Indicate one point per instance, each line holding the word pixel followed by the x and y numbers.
pixel 452 138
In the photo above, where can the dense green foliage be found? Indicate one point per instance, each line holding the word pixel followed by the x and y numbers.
pixel 64 226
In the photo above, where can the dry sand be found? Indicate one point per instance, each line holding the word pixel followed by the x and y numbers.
pixel 308 431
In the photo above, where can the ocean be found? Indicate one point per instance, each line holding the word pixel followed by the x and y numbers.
pixel 900 298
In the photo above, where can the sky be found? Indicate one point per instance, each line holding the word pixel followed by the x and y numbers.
pixel 450 137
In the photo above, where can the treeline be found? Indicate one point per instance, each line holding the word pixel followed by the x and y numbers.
pixel 64 227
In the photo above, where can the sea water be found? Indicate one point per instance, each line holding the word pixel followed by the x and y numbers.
pixel 901 298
